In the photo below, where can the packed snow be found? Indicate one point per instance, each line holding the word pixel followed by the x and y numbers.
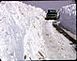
pixel 25 32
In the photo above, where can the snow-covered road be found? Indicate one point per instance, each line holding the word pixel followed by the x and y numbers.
pixel 25 32
pixel 56 44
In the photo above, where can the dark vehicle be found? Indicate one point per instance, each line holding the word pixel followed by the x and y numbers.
pixel 51 15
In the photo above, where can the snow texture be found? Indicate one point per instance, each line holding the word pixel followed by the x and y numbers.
pixel 68 17
pixel 24 31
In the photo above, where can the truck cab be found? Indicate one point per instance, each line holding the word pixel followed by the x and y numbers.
pixel 51 15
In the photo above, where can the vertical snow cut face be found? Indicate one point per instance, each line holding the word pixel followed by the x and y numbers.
pixel 23 33
pixel 68 17
pixel 20 30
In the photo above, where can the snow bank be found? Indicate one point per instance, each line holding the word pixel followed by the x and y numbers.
pixel 20 25
pixel 68 17
pixel 24 31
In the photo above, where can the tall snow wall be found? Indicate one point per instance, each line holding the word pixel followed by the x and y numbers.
pixel 68 17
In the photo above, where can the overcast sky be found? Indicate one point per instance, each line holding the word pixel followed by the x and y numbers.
pixel 45 5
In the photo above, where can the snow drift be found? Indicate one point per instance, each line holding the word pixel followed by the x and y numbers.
pixel 68 17
pixel 25 32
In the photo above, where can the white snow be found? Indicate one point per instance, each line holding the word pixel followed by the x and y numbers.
pixel 68 17
pixel 24 31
